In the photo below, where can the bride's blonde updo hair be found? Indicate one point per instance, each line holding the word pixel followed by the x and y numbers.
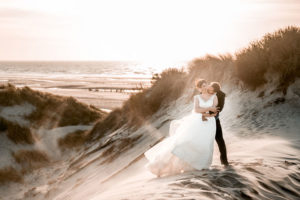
pixel 199 83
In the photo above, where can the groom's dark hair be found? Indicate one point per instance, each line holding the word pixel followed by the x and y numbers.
pixel 216 86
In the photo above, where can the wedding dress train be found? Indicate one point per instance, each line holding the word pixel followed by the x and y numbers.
pixel 189 146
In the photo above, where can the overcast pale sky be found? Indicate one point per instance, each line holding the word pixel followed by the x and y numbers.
pixel 157 30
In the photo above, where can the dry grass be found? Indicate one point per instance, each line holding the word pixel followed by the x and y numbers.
pixel 277 53
pixel 9 174
pixel 111 122
pixel 76 112
pixel 31 159
pixel 73 140
pixel 51 110
pixel 167 87
pixel 16 133
pixel 212 68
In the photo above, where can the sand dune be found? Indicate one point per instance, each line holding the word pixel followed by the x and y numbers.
pixel 263 148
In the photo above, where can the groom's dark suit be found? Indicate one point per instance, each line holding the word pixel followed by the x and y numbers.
pixel 219 133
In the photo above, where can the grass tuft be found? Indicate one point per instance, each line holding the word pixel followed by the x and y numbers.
pixel 211 68
pixel 73 140
pixel 9 174
pixel 167 87
pixel 51 110
pixel 31 159
pixel 16 133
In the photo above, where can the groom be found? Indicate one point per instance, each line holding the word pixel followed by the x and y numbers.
pixel 219 134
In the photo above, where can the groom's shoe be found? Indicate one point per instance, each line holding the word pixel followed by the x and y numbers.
pixel 224 162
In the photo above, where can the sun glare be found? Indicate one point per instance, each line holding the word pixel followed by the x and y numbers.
pixel 136 29
pixel 167 30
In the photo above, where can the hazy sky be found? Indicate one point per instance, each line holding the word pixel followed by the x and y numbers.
pixel 153 30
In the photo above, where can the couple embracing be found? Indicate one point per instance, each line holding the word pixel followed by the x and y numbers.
pixel 191 139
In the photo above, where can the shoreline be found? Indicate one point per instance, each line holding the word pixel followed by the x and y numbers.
pixel 104 92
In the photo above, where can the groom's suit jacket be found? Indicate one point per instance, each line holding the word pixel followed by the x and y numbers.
pixel 221 101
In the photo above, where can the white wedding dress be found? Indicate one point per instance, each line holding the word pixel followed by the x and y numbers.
pixel 189 146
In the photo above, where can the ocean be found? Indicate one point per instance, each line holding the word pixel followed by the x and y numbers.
pixel 84 68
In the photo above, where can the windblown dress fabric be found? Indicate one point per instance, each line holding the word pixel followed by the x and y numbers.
pixel 189 146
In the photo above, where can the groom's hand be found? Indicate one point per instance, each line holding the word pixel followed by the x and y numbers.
pixel 213 109
pixel 213 115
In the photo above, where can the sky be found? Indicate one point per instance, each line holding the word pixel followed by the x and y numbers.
pixel 141 30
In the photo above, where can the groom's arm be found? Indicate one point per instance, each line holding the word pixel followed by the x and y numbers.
pixel 221 100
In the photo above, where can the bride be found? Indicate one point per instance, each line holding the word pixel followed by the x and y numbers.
pixel 191 139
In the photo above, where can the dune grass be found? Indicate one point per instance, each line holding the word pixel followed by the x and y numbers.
pixel 110 123
pixel 276 53
pixel 73 140
pixel 167 87
pixel 276 57
pixel 31 159
pixel 75 113
pixel 212 68
pixel 9 174
pixel 16 133
pixel 51 110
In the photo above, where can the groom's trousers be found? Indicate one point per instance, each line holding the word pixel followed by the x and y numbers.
pixel 220 141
